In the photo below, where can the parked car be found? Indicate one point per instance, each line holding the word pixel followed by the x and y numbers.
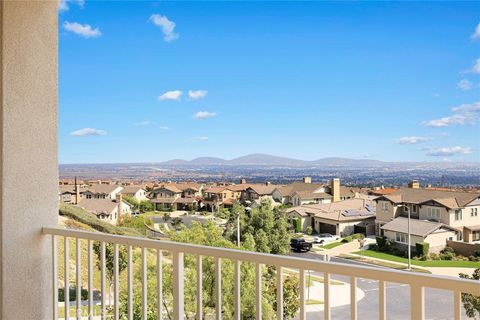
pixel 300 245
pixel 325 238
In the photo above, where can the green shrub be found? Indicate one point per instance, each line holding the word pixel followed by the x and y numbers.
pixel 434 256
pixel 381 241
pixel 309 230
pixel 297 224
pixel 72 294
pixel 347 239
pixel 422 248
pixel 358 236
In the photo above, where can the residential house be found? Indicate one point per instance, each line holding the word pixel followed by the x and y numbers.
pixel 340 218
pixel 306 192
pixel 455 209
pixel 435 233
pixel 108 210
pixel 101 191
pixel 217 197
pixel 135 191
pixel 259 191
pixel 169 197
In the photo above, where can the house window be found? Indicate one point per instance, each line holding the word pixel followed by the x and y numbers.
pixel 401 237
pixel 476 236
pixel 414 208
pixel 458 215
pixel 473 212
pixel 88 196
pixel 385 206
pixel 433 213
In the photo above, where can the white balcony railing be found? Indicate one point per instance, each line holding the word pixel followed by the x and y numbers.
pixel 417 281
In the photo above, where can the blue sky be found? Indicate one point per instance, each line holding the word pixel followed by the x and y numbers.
pixel 382 80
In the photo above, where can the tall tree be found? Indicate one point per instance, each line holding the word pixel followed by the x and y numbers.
pixel 110 261
pixel 471 303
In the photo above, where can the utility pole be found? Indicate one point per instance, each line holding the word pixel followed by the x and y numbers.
pixel 238 230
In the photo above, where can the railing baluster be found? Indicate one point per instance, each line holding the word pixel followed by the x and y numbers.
pixel 457 305
pixel 130 284
pixel 55 276
pixel 353 298
pixel 302 294
pixel 90 279
pixel 258 287
pixel 417 302
pixel 159 284
pixel 178 286
pixel 144 283
pixel 237 290
pixel 199 288
pixel 116 285
pixel 279 293
pixel 382 308
pixel 102 280
pixel 79 280
pixel 326 296
pixel 218 288
pixel 66 256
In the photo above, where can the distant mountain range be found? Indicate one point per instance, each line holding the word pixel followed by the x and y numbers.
pixel 259 159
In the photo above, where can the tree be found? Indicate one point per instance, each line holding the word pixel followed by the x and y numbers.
pixel 132 201
pixel 176 222
pixel 269 227
pixel 471 303
pixel 166 217
pixel 110 261
pixel 145 206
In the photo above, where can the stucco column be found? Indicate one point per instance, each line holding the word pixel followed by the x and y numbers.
pixel 28 156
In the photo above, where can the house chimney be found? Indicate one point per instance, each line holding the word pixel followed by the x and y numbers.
pixel 414 184
pixel 307 179
pixel 77 192
pixel 119 201
pixel 267 183
pixel 335 189
pixel 243 181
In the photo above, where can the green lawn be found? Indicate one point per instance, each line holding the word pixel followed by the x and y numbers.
pixel 432 263
pixel 332 245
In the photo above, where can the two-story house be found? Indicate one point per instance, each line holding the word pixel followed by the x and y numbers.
pixel 172 196
pixel 455 209
pixel 101 191
pixel 137 192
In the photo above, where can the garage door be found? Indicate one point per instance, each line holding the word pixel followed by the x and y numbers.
pixel 328 228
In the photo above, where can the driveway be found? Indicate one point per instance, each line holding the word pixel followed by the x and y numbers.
pixel 438 303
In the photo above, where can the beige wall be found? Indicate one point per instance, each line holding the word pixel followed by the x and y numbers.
pixel 385 215
pixel 29 166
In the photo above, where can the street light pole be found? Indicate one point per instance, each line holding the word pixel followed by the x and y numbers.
pixel 238 230
pixel 409 247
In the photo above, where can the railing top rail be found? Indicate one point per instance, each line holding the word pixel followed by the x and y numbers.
pixel 413 279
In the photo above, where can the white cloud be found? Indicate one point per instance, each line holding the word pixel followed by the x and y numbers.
pixel 171 95
pixel 63 5
pixel 412 140
pixel 88 132
pixel 476 66
pixel 465 85
pixel 166 25
pixel 449 151
pixel 164 128
pixel 463 114
pixel 83 30
pixel 202 115
pixel 476 34
pixel 144 123
pixel 201 138
pixel 197 94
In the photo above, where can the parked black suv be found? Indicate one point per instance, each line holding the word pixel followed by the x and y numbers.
pixel 300 245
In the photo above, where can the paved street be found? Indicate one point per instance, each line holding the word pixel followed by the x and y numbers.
pixel 438 303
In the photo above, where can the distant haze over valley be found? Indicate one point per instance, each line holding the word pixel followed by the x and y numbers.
pixel 263 167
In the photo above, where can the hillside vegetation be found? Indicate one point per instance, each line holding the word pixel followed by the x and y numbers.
pixel 86 221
